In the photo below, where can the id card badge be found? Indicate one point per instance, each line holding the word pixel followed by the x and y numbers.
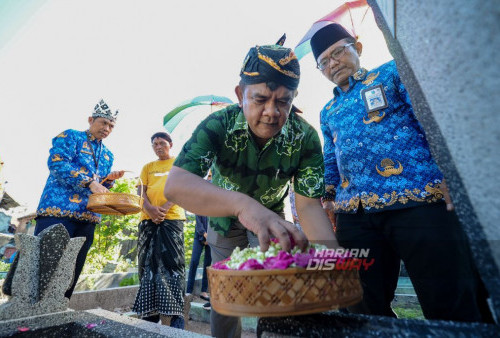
pixel 374 98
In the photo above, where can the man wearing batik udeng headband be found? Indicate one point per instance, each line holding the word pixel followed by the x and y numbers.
pixel 78 162
pixel 254 148
pixel 386 190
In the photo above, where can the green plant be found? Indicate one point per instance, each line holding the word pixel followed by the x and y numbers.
pixel 4 266
pixel 189 232
pixel 134 280
pixel 123 264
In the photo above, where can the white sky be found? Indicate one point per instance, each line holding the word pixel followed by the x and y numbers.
pixel 144 58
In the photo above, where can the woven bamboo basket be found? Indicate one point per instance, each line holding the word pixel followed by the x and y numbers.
pixel 114 203
pixel 276 293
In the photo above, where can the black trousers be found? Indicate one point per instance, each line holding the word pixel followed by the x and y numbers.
pixel 436 253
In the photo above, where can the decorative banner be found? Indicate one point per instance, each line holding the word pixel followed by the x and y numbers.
pixel 211 103
pixel 351 15
pixel 181 121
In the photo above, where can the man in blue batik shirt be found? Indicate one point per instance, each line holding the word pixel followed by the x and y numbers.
pixel 385 191
pixel 78 163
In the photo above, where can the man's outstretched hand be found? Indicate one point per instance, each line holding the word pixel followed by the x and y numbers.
pixel 267 224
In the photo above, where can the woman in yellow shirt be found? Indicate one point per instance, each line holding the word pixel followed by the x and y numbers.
pixel 160 243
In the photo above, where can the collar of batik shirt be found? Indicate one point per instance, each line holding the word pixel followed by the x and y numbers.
pixel 360 75
pixel 241 124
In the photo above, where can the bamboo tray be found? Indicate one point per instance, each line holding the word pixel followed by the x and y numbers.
pixel 113 203
pixel 276 293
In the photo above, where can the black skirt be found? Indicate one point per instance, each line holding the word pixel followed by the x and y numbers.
pixel 161 269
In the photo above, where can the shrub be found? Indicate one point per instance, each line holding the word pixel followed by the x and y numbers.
pixel 4 266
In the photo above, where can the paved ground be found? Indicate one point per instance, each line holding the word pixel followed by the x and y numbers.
pixel 204 328
pixel 196 326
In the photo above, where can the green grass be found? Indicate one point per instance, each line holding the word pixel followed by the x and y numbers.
pixel 134 280
pixel 409 313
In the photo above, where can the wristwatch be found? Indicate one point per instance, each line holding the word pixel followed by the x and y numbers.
pixel 327 198
pixel 88 183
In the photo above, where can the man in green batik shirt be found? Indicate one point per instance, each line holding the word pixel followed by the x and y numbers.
pixel 254 149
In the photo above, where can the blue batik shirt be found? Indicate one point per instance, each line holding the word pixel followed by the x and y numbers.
pixel 72 167
pixel 379 158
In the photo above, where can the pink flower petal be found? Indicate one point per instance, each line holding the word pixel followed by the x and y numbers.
pixel 251 264
pixel 90 325
pixel 23 329
pixel 282 261
pixel 302 260
pixel 220 265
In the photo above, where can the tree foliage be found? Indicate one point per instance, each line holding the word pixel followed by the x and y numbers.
pixel 189 226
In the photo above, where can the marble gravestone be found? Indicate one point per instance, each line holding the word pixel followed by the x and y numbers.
pixel 36 284
pixel 41 273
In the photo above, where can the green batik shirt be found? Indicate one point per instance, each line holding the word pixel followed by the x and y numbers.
pixel 223 141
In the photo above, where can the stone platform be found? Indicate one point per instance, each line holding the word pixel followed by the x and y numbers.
pixel 199 314
pixel 337 324
pixel 91 323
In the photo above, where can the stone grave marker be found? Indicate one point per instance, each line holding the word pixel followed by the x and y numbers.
pixel 41 273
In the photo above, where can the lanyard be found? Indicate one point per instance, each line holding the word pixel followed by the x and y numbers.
pixel 96 162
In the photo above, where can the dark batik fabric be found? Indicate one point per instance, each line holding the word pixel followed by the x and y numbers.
pixel 379 159
pixel 223 140
pixel 161 269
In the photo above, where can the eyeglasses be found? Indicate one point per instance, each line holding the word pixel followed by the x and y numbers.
pixel 335 55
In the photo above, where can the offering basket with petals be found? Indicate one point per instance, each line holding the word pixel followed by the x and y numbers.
pixel 292 291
